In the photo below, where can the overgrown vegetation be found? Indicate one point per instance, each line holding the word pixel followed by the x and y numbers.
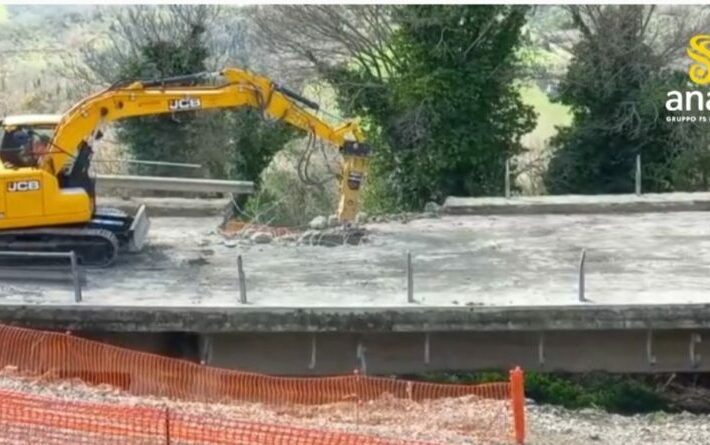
pixel 285 197
pixel 624 394
pixel 616 87
pixel 436 85
pixel 449 113
pixel 439 90
pixel 155 43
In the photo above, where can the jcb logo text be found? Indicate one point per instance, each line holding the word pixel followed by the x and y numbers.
pixel 186 103
pixel 23 186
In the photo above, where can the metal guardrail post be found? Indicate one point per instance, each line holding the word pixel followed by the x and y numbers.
pixel 581 289
pixel 507 178
pixel 242 283
pixel 74 271
pixel 427 348
pixel 410 279
pixel 75 277
pixel 638 175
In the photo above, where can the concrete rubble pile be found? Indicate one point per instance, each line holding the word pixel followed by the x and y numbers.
pixel 321 231
pixel 325 230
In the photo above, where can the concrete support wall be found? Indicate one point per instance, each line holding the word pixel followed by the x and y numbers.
pixel 399 340
pixel 401 353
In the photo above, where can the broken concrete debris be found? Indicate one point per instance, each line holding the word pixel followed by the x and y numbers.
pixel 432 207
pixel 336 236
pixel 322 230
pixel 319 233
pixel 318 223
pixel 262 238
pixel 288 238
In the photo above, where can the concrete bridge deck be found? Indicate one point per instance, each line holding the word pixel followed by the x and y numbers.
pixel 473 260
pixel 490 291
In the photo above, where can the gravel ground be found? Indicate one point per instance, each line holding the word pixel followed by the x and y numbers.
pixel 550 425
pixel 447 421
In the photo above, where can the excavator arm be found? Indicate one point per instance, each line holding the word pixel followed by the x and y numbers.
pixel 80 125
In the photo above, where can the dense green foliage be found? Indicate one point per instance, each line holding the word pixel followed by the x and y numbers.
pixel 615 85
pixel 438 89
pixel 623 394
pixel 612 393
pixel 228 143
pixel 443 107
pixel 163 137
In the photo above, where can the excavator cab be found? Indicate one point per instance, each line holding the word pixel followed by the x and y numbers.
pixel 24 139
pixel 28 192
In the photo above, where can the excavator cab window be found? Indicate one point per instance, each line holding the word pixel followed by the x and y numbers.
pixel 22 147
pixel 13 151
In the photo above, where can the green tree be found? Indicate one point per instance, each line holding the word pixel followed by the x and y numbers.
pixel 435 86
pixel 450 114
pixel 158 42
pixel 616 87
pixel 164 137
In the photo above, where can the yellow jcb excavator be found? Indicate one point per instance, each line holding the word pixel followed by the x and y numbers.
pixel 47 197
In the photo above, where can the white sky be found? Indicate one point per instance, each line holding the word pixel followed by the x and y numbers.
pixel 242 2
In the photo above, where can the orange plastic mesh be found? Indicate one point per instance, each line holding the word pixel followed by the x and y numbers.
pixel 491 409
pixel 32 420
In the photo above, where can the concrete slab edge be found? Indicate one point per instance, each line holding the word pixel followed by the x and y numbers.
pixel 169 207
pixel 550 205
pixel 355 319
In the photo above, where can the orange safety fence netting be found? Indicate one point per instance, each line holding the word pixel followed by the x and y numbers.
pixel 492 411
pixel 32 420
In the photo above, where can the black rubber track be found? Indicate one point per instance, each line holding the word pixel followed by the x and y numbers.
pixel 93 247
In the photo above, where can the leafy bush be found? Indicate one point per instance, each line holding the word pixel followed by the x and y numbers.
pixel 284 199
pixel 623 394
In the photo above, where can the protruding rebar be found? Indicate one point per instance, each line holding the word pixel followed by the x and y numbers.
pixel 75 277
pixel 638 175
pixel 582 258
pixel 507 178
pixel 427 348
pixel 410 279
pixel 242 281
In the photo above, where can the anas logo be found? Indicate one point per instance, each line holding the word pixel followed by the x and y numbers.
pixel 186 103
pixel 698 51
pixel 688 105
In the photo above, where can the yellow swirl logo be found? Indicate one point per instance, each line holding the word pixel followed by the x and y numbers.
pixel 699 52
